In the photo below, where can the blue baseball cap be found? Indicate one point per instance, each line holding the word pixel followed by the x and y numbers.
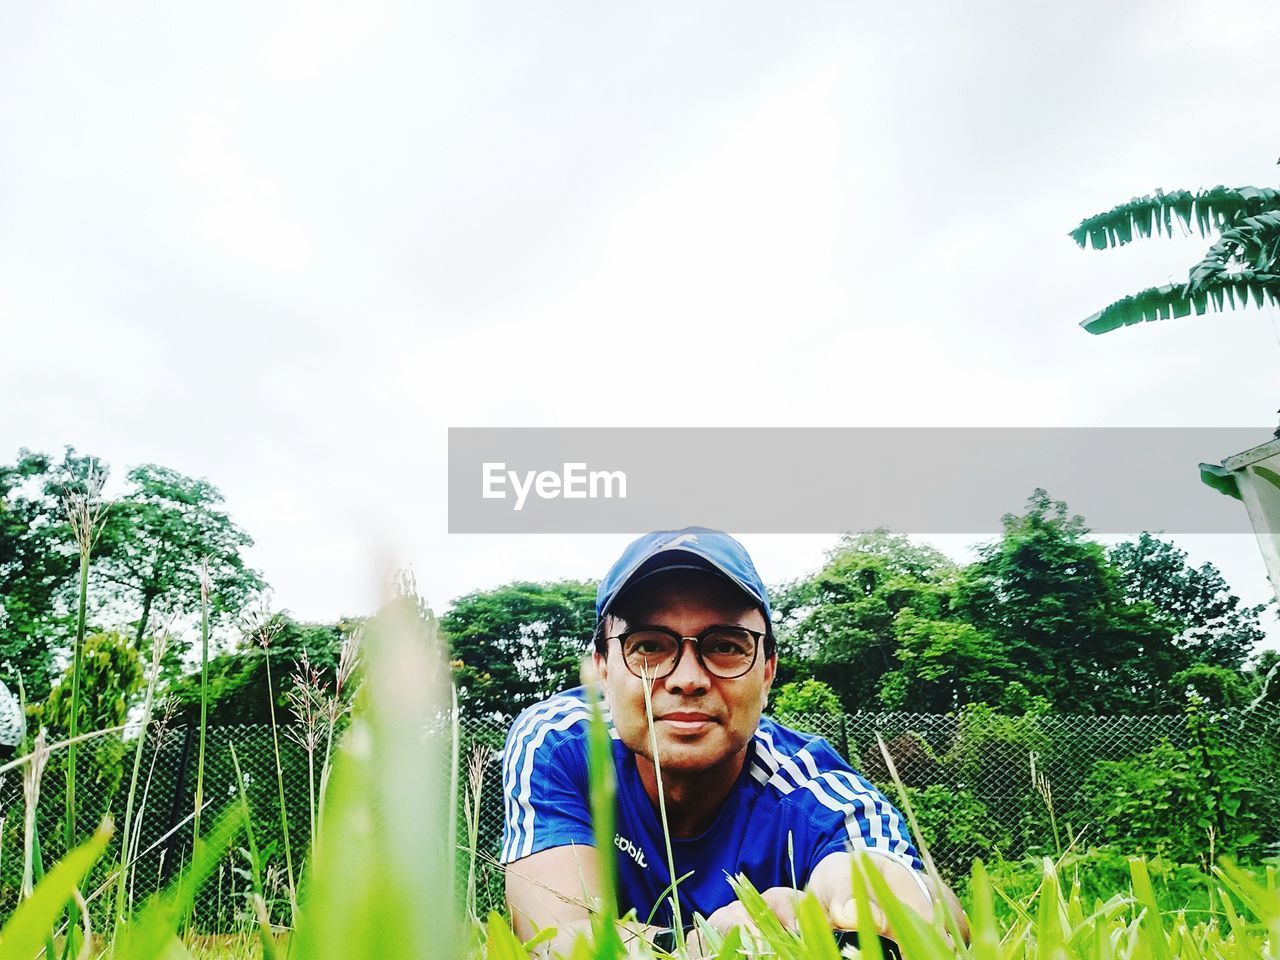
pixel 693 548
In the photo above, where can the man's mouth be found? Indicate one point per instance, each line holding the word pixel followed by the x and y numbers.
pixel 687 721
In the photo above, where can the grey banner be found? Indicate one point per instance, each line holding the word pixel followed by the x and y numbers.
pixel 827 480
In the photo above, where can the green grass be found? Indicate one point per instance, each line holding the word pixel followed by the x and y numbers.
pixel 380 885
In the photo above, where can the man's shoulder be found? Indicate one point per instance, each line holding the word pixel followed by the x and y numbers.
pixel 782 740
pixel 803 767
pixel 559 719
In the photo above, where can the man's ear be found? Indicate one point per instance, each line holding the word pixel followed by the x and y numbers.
pixel 770 668
pixel 589 669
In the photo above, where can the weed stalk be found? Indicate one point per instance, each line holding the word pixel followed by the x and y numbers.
pixel 677 920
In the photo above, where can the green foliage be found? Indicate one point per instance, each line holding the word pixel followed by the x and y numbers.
pixel 1181 803
pixel 156 536
pixel 1097 874
pixel 26 931
pixel 898 554
pixel 238 690
pixel 38 564
pixel 1216 686
pixel 840 623
pixel 1242 266
pixel 944 664
pixel 1264 678
pixel 1045 613
pixel 956 823
pixel 111 675
pixel 988 747
pixel 1207 621
pixel 519 643
pixel 807 697
pixel 1051 598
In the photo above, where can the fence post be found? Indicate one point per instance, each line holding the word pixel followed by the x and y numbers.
pixel 177 806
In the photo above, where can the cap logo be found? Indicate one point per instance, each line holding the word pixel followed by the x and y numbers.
pixel 677 541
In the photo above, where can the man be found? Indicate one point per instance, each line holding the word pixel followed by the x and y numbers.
pixel 685 614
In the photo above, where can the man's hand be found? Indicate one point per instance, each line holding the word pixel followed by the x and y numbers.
pixel 781 900
pixel 832 883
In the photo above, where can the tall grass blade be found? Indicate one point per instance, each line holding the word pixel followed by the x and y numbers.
pixel 28 930
pixel 731 948
pixel 868 930
pixel 603 790
pixel 284 807
pixel 1262 900
pixel 500 942
pixel 1156 940
pixel 942 914
pixel 377 886
pixel 255 864
pixel 782 941
pixel 1050 938
pixel 204 693
pixel 455 794
pixel 982 922
pixel 152 934
pixel 678 920
pixel 127 834
pixel 69 821
pixel 85 513
pixel 815 931
pixel 918 939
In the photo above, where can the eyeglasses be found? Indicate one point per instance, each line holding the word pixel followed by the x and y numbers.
pixel 652 653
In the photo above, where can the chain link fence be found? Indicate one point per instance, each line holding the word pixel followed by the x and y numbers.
pixel 980 784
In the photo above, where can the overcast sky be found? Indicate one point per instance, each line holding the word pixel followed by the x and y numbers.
pixel 286 246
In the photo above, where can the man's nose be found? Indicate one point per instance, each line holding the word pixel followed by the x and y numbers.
pixel 689 674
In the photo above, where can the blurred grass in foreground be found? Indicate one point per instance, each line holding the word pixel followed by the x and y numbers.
pixel 382 885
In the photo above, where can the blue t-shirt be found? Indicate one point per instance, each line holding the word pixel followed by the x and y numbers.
pixel 795 802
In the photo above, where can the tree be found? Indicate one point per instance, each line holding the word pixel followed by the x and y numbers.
pixel 1052 600
pixel 900 555
pixel 944 664
pixel 838 624
pixel 1264 678
pixel 238 679
pixel 806 696
pixel 1216 686
pixel 111 675
pixel 517 644
pixel 1241 266
pixel 1208 621
pixel 155 538
pixel 38 562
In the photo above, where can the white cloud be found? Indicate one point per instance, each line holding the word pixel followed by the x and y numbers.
pixel 286 248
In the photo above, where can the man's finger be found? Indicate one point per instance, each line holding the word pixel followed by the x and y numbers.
pixel 782 901
pixel 844 916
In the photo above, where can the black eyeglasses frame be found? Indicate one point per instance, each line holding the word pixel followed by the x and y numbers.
pixel 756 635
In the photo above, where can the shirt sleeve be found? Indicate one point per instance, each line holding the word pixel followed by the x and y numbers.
pixel 850 814
pixel 544 781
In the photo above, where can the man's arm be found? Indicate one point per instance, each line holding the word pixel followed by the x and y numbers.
pixel 552 888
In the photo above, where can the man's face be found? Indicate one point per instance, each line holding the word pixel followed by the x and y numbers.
pixel 701 721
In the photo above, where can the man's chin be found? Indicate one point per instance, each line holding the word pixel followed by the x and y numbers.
pixel 693 754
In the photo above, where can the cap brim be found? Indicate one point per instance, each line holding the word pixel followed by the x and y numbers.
pixel 674 559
